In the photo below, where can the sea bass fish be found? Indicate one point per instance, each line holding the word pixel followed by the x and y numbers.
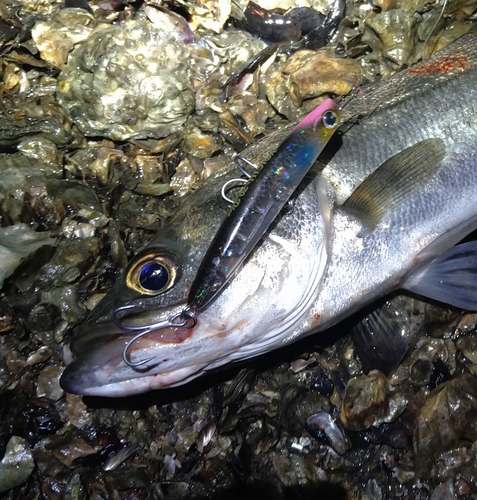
pixel 400 189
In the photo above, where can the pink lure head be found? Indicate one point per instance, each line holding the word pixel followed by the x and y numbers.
pixel 315 116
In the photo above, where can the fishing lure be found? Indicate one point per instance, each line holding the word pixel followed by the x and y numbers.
pixel 261 199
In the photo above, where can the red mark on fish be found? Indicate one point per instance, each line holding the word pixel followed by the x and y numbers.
pixel 445 64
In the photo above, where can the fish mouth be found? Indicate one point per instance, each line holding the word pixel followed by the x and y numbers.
pixel 99 328
pixel 102 371
pixel 130 355
pixel 80 379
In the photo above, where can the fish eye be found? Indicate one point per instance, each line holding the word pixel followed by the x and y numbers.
pixel 153 272
pixel 329 119
pixel 153 276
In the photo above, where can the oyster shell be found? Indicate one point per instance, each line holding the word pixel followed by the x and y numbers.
pixel 127 81
pixel 445 429
pixel 368 401
pixel 56 37
pixel 313 74
pixel 16 242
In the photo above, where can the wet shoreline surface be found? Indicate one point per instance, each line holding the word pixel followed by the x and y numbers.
pixel 88 174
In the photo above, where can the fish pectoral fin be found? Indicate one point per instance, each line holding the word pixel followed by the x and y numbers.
pixel 450 278
pixel 382 338
pixel 397 178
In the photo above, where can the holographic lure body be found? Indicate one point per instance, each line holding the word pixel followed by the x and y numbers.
pixel 261 200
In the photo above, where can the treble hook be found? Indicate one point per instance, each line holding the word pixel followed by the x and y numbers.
pixel 134 328
pixel 186 318
pixel 126 357
pixel 239 163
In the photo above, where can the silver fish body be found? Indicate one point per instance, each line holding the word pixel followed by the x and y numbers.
pixel 298 281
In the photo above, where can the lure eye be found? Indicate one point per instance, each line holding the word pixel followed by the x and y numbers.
pixel 329 119
pixel 153 272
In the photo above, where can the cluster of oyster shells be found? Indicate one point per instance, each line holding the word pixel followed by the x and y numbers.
pixel 111 112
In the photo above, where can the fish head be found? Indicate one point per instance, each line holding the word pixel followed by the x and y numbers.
pixel 265 306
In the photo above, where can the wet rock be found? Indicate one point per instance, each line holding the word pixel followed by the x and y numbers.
pixel 49 383
pixel 6 318
pixel 16 465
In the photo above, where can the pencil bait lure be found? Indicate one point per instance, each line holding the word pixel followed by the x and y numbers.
pixel 260 201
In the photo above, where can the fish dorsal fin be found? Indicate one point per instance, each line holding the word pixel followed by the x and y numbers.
pixel 400 176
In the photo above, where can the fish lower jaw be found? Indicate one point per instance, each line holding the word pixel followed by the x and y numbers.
pixel 89 385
